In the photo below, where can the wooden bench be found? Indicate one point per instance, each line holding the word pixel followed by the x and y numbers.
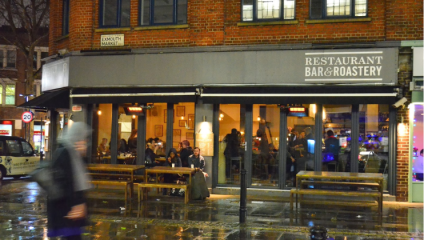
pixel 322 192
pixel 142 189
pixel 126 184
pixel 341 184
pixel 116 176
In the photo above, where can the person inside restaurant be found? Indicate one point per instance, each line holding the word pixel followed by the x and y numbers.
pixel 185 152
pixel 231 151
pixel 172 160
pixel 103 148
pixel 331 152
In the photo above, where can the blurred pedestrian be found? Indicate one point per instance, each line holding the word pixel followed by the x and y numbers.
pixel 67 215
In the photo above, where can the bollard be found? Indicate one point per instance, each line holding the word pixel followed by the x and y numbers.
pixel 243 191
pixel 318 233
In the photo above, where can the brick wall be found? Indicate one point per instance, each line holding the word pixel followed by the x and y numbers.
pixel 215 23
pixel 402 161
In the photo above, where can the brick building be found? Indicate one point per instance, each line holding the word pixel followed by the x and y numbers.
pixel 12 79
pixel 268 69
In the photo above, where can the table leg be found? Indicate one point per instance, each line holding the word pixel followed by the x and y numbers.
pixel 138 202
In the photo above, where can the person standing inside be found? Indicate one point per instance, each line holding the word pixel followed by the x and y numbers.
pixel 332 148
pixel 67 215
pixel 231 150
pixel 185 152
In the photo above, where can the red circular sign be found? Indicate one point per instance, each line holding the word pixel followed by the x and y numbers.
pixel 27 117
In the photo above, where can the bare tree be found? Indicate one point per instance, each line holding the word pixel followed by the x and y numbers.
pixel 28 21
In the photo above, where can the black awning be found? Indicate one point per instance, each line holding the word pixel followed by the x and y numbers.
pixel 300 95
pixel 49 100
pixel 133 95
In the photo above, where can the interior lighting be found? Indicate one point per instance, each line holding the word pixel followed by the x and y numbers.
pixel 182 118
pixel 221 115
pixel 259 118
pixel 99 112
pixel 133 116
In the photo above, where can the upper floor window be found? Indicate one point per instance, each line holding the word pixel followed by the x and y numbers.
pixel 7 94
pixel 338 8
pixel 262 10
pixel 65 18
pixel 115 13
pixel 7 58
pixel 157 12
pixel 11 59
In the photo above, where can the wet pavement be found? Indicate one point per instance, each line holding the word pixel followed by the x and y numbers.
pixel 23 216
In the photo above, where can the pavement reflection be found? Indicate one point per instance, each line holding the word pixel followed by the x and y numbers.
pixel 23 216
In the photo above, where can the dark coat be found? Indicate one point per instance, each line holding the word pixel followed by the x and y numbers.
pixel 175 160
pixel 199 189
pixel 197 162
pixel 58 209
pixel 184 154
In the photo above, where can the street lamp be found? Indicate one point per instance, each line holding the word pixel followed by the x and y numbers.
pixel 26 96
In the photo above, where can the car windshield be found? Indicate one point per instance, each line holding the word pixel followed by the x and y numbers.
pixel 27 148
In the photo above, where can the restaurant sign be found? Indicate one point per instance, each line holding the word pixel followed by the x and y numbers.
pixel 112 40
pixel 353 66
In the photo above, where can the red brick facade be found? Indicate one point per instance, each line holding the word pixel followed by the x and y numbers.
pixel 217 23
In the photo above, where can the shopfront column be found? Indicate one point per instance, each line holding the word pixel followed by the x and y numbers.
pixel 141 139
pixel 169 126
pixel 248 143
pixel 318 139
pixel 114 135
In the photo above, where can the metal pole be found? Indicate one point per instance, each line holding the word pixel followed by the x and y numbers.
pixel 243 191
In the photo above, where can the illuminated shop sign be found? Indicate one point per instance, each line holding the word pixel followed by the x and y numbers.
pixel 134 110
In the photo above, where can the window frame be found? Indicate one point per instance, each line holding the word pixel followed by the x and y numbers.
pixel 5 94
pixel 324 11
pixel 152 14
pixel 7 58
pixel 65 17
pixel 255 14
pixel 118 15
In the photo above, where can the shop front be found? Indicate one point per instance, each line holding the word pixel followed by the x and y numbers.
pixel 274 113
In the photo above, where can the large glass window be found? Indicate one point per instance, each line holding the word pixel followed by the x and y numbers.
pixel 337 8
pixel 374 139
pixel 337 125
pixel 300 141
pixel 102 137
pixel 10 94
pixel 154 12
pixel 265 145
pixel 115 13
pixel 156 131
pixel 257 10
pixel 231 137
pixel 416 113
pixel 183 131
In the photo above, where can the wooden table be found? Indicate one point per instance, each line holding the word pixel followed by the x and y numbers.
pixel 170 170
pixel 115 168
pixel 341 177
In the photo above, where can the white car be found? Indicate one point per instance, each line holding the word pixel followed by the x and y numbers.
pixel 17 157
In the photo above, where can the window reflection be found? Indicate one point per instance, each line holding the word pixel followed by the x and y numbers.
pixel 300 141
pixel 231 137
pixel 374 139
pixel 266 131
pixel 337 124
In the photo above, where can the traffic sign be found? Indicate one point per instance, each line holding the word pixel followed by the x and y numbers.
pixel 27 117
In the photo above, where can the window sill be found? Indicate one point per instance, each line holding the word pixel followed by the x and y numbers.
pixel 8 69
pixel 112 29
pixel 287 22
pixel 179 26
pixel 339 20
pixel 61 38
